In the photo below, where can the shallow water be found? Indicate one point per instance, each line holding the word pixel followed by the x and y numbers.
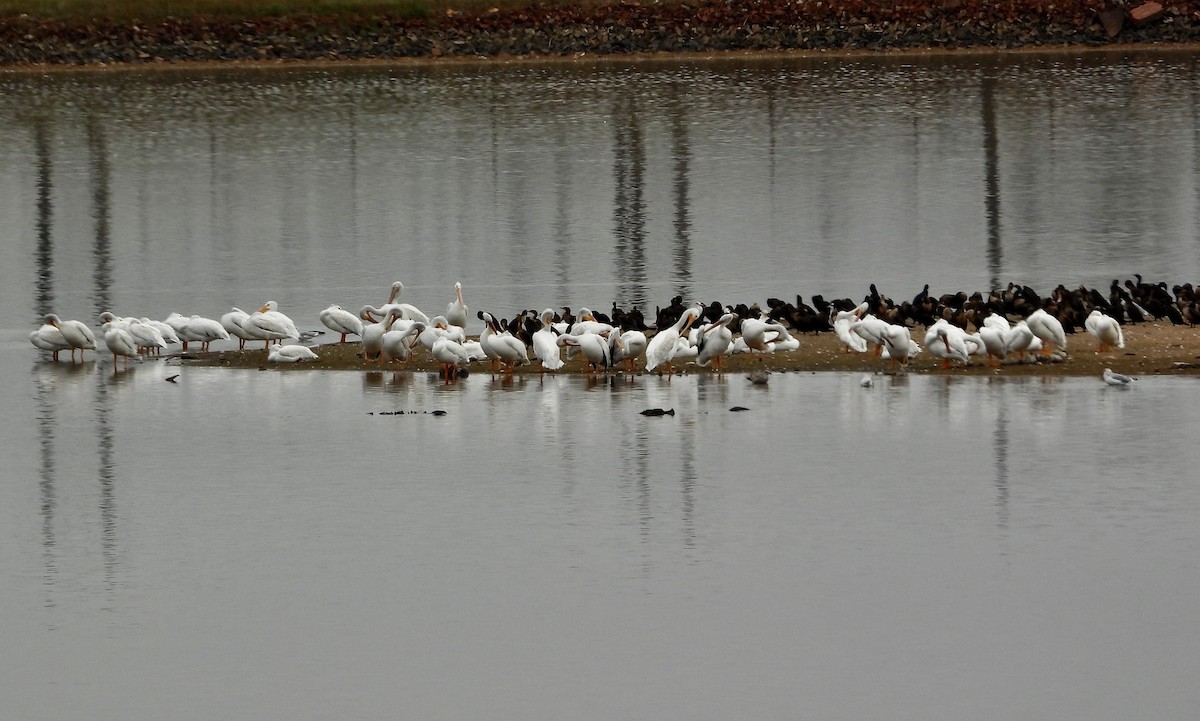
pixel 245 544
pixel 587 183
pixel 316 545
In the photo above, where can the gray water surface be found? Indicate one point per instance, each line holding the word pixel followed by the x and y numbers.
pixel 252 545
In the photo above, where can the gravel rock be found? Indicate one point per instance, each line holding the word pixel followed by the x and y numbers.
pixel 625 27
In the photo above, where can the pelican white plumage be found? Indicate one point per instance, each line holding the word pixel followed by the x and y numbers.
pixel 997 321
pixel 485 341
pixel 624 348
pixel 1105 329
pixel 450 355
pixel 179 323
pixel 715 341
pixel 585 322
pixel 662 347
pixel 456 311
pixel 290 353
pixel 373 330
pixel 841 321
pixel 1116 379
pixel 593 346
pixel 341 321
pixel 948 342
pixel 147 338
pixel 871 329
pixel 165 331
pixel 784 341
pixel 269 324
pixel 755 334
pixel 397 344
pixel 1019 340
pixel 76 334
pixel 118 340
pixel 1049 329
pixel 994 342
pixel 49 338
pixel 232 323
pixel 975 344
pixel 206 330
pixel 407 310
pixel 508 348
pixel 898 342
pixel 437 327
pixel 545 343
pixel 474 350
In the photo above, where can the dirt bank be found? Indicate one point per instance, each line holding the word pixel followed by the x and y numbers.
pixel 630 26
pixel 1150 349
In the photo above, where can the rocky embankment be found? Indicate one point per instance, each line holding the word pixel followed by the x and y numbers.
pixel 630 26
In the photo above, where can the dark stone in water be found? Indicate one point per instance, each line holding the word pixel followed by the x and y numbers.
pixel 439 413
pixel 658 412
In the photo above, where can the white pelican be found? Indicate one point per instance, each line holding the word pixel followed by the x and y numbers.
pixel 1105 329
pixel 784 341
pixel 842 320
pixel 948 342
pixel 898 342
pixel 662 347
pixel 872 330
pixel 975 344
pixel 997 321
pixel 146 337
pixel 49 338
pixel 75 333
pixel 594 348
pixel 179 323
pixel 473 349
pixel 1019 340
pixel 1116 379
pixel 232 322
pixel 715 340
pixel 167 333
pixel 585 322
pixel 626 347
pixel 994 341
pixel 268 324
pixel 485 342
pixel 508 348
pixel 759 334
pixel 1049 329
pixel 373 330
pixel 450 354
pixel 545 343
pixel 341 321
pixel 407 311
pixel 206 330
pixel 456 311
pixel 290 354
pixel 117 339
pixel 397 344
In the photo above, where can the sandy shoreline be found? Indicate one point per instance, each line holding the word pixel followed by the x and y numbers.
pixel 1158 348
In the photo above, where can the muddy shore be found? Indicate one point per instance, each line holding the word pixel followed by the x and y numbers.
pixel 1150 349
pixel 619 28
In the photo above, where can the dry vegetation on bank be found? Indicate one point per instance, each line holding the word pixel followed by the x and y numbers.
pixel 173 31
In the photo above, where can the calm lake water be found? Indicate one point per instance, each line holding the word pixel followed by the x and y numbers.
pixel 287 545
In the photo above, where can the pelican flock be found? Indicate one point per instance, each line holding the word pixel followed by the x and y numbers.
pixel 1006 326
